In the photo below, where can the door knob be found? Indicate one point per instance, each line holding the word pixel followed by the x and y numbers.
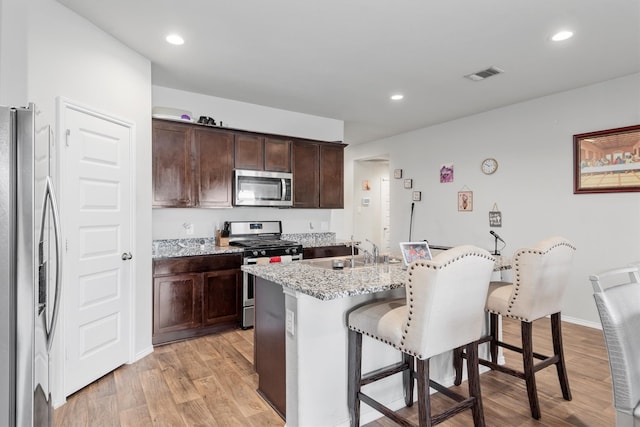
pixel 126 256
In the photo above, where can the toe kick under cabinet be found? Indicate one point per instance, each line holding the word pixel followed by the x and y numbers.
pixel 195 296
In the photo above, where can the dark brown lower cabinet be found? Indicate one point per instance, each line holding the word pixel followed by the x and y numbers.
pixel 269 350
pixel 195 296
pixel 222 299
pixel 328 251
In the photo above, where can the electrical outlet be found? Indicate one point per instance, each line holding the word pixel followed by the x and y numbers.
pixel 290 322
pixel 188 228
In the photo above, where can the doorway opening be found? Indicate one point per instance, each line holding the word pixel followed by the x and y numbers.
pixel 371 198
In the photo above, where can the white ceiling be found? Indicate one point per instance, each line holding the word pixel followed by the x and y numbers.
pixel 343 58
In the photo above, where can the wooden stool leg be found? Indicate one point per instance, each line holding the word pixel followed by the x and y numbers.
pixel 495 335
pixel 473 373
pixel 529 373
pixel 407 380
pixel 457 365
pixel 424 398
pixel 354 376
pixel 556 333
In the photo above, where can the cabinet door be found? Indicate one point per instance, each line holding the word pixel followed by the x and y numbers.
pixel 172 165
pixel 222 296
pixel 177 303
pixel 249 152
pixel 305 163
pixel 331 176
pixel 214 167
pixel 277 155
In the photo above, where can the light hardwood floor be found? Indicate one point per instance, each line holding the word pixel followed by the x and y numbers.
pixel 210 381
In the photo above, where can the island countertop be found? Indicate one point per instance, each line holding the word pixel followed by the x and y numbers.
pixel 327 284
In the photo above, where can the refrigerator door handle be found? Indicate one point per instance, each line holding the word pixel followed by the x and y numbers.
pixel 50 196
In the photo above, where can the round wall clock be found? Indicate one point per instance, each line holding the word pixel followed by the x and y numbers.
pixel 489 166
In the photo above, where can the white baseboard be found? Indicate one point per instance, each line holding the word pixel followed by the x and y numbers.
pixel 582 322
pixel 139 355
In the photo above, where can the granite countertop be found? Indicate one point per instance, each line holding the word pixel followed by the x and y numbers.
pixel 327 284
pixel 174 248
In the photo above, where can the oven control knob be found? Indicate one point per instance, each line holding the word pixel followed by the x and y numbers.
pixel 255 253
pixel 263 253
pixel 294 250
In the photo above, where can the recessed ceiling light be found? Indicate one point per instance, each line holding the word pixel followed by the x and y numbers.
pixel 397 97
pixel 562 35
pixel 175 39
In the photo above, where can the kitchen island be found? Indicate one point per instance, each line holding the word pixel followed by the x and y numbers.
pixel 300 331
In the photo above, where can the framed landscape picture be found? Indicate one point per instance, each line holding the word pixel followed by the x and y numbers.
pixel 607 161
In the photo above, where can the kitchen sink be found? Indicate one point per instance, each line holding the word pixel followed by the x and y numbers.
pixel 342 262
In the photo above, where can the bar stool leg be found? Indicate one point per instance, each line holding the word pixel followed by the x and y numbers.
pixel 424 398
pixel 493 344
pixel 407 380
pixel 473 374
pixel 529 372
pixel 457 365
pixel 556 333
pixel 354 376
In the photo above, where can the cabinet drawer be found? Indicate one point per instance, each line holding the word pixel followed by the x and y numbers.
pixel 196 264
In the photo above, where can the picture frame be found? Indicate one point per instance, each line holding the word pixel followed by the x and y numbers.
pixel 397 173
pixel 465 201
pixel 607 161
pixel 408 183
pixel 414 251
pixel 416 196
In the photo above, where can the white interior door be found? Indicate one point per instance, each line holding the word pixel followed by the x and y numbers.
pixel 97 210
pixel 385 213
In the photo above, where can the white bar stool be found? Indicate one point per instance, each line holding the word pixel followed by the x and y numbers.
pixel 541 275
pixel 443 310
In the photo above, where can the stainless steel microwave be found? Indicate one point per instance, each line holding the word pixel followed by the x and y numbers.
pixel 261 188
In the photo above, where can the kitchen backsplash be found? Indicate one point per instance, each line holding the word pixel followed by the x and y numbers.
pixel 311 239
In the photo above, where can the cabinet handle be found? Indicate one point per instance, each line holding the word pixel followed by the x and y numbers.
pixel 126 256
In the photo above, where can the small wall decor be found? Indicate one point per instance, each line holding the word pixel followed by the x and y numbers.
pixel 408 183
pixel 397 173
pixel 607 161
pixel 465 199
pixel 417 196
pixel 495 216
pixel 365 185
pixel 446 173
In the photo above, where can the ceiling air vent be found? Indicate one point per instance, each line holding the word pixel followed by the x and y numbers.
pixel 481 75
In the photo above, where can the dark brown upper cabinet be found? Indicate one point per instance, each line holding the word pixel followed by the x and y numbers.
pixel 213 167
pixel 172 169
pixel 260 152
pixel 192 166
pixel 318 175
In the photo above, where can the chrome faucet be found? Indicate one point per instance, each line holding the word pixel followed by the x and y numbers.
pixel 376 252
pixel 352 252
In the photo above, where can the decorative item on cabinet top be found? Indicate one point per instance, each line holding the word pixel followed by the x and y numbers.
pixel 172 114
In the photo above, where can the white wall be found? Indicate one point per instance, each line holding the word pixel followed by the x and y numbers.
pixel 69 57
pixel 13 53
pixel 533 186
pixel 168 223
pixel 368 219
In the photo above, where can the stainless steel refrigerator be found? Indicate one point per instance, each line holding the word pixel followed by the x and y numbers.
pixel 30 272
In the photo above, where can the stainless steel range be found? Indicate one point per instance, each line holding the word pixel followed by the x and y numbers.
pixel 262 244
